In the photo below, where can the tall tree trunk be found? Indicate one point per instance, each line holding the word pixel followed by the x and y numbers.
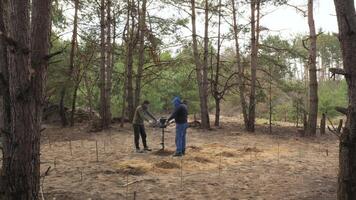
pixel 109 69
pixel 217 73
pixel 129 61
pixel 346 16
pixel 255 8
pixel 240 68
pixel 4 92
pixel 62 110
pixel 71 58
pixel 201 68
pixel 141 54
pixel 103 75
pixel 27 68
pixel 270 100
pixel 313 82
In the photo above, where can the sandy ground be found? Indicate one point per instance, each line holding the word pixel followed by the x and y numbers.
pixel 225 163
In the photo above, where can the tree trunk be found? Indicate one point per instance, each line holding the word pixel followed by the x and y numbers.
pixel 74 101
pixel 141 54
pixel 270 101
pixel 255 7
pixel 217 112
pixel 4 92
pixel 201 68
pixel 323 124
pixel 346 15
pixel 71 58
pixel 109 69
pixel 129 61
pixel 240 68
pixel 313 82
pixel 62 110
pixel 215 87
pixel 103 75
pixel 27 68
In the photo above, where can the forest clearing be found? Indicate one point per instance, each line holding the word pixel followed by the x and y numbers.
pixel 225 163
pixel 177 99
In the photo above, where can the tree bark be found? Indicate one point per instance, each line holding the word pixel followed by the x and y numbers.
pixel 313 82
pixel 255 18
pixel 4 93
pixel 109 64
pixel 141 54
pixel 217 73
pixel 62 110
pixel 346 16
pixel 27 69
pixel 71 59
pixel 103 70
pixel 130 45
pixel 240 68
pixel 201 68
pixel 323 124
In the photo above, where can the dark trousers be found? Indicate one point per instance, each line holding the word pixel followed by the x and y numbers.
pixel 139 130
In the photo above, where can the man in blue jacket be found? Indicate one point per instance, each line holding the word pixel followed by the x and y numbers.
pixel 180 116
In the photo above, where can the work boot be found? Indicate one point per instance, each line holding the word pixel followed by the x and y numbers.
pixel 177 155
pixel 183 152
pixel 139 151
pixel 147 149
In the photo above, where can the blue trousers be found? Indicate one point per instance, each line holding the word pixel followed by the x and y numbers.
pixel 181 130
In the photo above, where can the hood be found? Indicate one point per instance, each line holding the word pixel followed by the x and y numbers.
pixel 176 101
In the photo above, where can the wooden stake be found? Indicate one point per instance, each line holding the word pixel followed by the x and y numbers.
pixel 49 143
pixel 54 163
pixel 278 152
pixel 70 147
pixel 181 173
pixel 220 165
pixel 104 146
pixel 134 195
pixel 96 150
pixel 127 187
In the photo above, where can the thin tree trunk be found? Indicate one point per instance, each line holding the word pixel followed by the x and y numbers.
pixel 71 58
pixel 217 112
pixel 109 69
pixel 241 73
pixel 27 68
pixel 270 100
pixel 216 93
pixel 62 110
pixel 346 15
pixel 313 82
pixel 200 68
pixel 141 55
pixel 89 95
pixel 103 76
pixel 4 90
pixel 205 109
pixel 323 124
pixel 129 62
pixel 255 8
pixel 74 101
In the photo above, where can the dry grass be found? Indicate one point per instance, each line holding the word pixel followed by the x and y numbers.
pixel 219 164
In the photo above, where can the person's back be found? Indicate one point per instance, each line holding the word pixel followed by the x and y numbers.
pixel 138 118
pixel 181 114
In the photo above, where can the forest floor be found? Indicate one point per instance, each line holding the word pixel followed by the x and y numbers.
pixel 225 163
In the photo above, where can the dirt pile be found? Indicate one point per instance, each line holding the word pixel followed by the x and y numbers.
pixel 167 165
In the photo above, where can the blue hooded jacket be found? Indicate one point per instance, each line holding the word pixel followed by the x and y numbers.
pixel 176 102
pixel 180 113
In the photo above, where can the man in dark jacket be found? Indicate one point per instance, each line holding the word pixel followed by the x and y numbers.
pixel 180 116
pixel 141 114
